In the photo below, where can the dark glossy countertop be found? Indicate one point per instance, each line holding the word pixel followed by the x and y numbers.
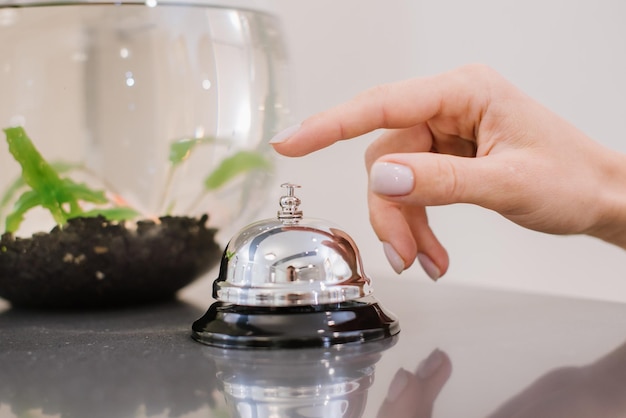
pixel 510 355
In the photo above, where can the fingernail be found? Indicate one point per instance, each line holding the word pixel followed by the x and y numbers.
pixel 429 267
pixel 391 179
pixel 393 257
pixel 285 134
pixel 430 364
pixel 397 386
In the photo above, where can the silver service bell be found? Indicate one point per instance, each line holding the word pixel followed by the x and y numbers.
pixel 291 282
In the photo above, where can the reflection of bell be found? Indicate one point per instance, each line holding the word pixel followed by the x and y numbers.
pixel 292 282
pixel 318 382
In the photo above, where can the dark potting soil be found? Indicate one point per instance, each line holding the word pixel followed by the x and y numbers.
pixel 95 263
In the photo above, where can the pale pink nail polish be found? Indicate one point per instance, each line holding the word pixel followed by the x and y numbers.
pixel 429 266
pixel 285 134
pixel 391 179
pixel 393 257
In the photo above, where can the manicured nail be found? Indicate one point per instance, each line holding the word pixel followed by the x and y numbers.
pixel 393 257
pixel 397 386
pixel 430 364
pixel 429 267
pixel 391 179
pixel 285 134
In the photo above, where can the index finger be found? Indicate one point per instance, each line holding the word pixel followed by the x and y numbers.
pixel 457 98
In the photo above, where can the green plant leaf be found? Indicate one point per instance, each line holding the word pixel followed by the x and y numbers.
pixel 236 164
pixel 81 191
pixel 181 149
pixel 49 190
pixel 24 203
pixel 11 191
pixel 78 191
pixel 38 174
pixel 19 183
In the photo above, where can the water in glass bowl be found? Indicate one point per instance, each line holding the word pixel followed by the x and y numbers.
pixel 133 115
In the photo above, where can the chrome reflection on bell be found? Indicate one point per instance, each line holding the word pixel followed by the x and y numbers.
pixel 291 282
pixel 291 261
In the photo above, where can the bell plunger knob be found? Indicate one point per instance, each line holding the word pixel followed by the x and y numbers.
pixel 289 212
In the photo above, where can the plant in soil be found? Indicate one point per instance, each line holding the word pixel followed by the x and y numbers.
pixel 101 253
pixel 62 197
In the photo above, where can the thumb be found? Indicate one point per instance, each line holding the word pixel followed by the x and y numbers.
pixel 429 179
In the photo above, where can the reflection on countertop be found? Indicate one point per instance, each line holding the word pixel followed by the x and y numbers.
pixel 324 382
pixel 141 361
pixel 461 352
pixel 110 363
pixel 597 389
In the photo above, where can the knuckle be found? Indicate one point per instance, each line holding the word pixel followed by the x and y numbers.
pixel 477 70
pixel 450 184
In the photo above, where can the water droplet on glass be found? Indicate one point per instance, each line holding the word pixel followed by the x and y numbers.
pixel 130 80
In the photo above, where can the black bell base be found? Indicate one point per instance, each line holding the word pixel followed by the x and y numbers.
pixel 235 326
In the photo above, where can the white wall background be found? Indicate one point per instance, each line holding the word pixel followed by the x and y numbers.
pixel 570 55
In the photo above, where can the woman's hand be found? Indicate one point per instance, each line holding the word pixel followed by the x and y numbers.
pixel 469 136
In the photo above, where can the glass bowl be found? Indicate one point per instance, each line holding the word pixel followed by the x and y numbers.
pixel 136 137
